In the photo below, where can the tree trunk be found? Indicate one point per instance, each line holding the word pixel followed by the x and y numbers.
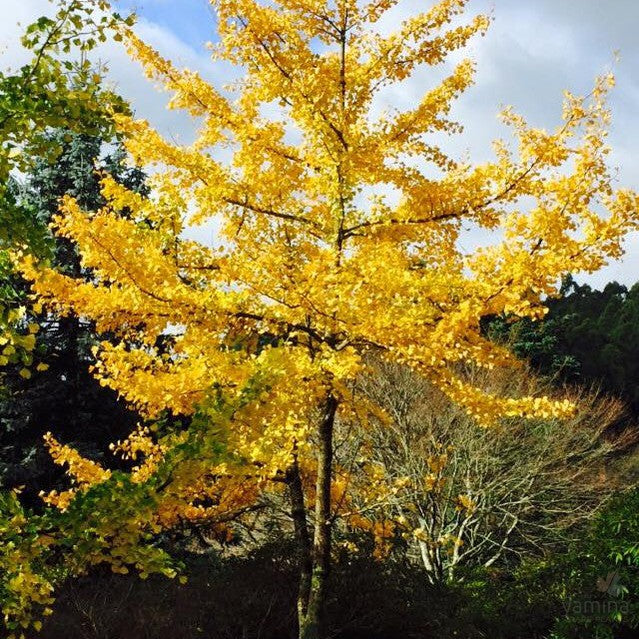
pixel 302 537
pixel 312 623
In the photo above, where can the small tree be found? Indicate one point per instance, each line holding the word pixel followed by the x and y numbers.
pixel 473 496
pixel 317 252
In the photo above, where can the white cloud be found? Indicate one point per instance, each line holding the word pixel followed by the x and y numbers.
pixel 16 16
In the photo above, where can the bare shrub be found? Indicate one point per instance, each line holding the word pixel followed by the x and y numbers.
pixel 478 496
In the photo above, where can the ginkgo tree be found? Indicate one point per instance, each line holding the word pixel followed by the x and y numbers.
pixel 340 233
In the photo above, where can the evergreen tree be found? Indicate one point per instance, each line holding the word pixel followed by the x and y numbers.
pixel 65 397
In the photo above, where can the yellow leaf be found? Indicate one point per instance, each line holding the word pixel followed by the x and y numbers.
pixel 29 341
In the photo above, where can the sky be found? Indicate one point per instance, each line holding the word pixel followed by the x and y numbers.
pixel 533 50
